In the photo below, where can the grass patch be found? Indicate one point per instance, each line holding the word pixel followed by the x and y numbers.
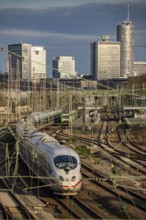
pixel 73 139
pixel 96 161
pixel 81 149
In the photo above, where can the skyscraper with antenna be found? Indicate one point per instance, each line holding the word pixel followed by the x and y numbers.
pixel 125 34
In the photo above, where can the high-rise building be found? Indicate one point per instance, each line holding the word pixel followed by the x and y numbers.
pixel 139 68
pixel 38 62
pixel 21 53
pixel 125 34
pixel 105 59
pixel 64 67
pixel 32 61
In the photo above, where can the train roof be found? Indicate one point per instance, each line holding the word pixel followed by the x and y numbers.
pixel 37 137
pixel 49 113
pixel 46 143
pixel 42 141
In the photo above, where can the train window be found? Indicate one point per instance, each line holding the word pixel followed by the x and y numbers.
pixel 64 160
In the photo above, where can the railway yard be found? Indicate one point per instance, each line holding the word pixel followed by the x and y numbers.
pixel 71 148
pixel 113 167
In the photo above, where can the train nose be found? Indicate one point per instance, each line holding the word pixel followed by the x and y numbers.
pixel 67 180
pixel 67 169
pixel 70 184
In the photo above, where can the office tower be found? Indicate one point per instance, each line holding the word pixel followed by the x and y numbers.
pixel 32 61
pixel 105 59
pixel 21 53
pixel 38 62
pixel 64 67
pixel 125 34
pixel 139 68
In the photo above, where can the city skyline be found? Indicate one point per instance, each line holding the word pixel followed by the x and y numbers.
pixel 66 28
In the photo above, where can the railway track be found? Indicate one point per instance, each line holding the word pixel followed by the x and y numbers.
pixel 129 196
pixel 104 143
pixel 72 207
pixel 77 208
pixel 110 185
pixel 12 207
pixel 108 148
pixel 133 148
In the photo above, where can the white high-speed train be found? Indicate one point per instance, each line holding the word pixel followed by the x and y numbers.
pixel 58 166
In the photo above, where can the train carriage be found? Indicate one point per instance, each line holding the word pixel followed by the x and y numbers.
pixel 45 117
pixel 66 118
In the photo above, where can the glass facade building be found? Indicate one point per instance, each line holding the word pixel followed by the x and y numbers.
pixel 21 53
pixel 125 34
pixel 32 60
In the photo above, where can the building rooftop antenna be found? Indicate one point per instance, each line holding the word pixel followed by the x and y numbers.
pixel 128 12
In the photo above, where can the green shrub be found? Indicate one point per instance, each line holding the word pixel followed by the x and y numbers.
pixel 73 139
pixel 82 150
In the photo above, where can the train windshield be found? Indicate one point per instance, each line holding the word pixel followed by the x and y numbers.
pixel 64 161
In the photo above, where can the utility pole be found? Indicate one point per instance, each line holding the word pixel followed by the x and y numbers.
pixel 34 92
pixel 29 91
pixel 84 111
pixel 44 94
pixel 9 91
pixel 17 87
pixel 51 97
pixel 70 115
pixel 58 98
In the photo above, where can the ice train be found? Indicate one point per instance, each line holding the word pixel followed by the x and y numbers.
pixel 58 166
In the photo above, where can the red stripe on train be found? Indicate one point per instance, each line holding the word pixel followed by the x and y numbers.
pixel 63 186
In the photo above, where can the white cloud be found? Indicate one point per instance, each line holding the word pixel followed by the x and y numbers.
pixel 63 36
pixel 59 3
pixel 43 3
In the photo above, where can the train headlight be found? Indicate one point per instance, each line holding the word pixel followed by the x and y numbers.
pixel 73 178
pixel 61 178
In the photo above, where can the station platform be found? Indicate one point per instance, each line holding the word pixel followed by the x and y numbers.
pixel 32 203
pixel 10 205
pixel 35 206
pixel 136 121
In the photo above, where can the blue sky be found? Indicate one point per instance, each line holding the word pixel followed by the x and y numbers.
pixel 66 27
